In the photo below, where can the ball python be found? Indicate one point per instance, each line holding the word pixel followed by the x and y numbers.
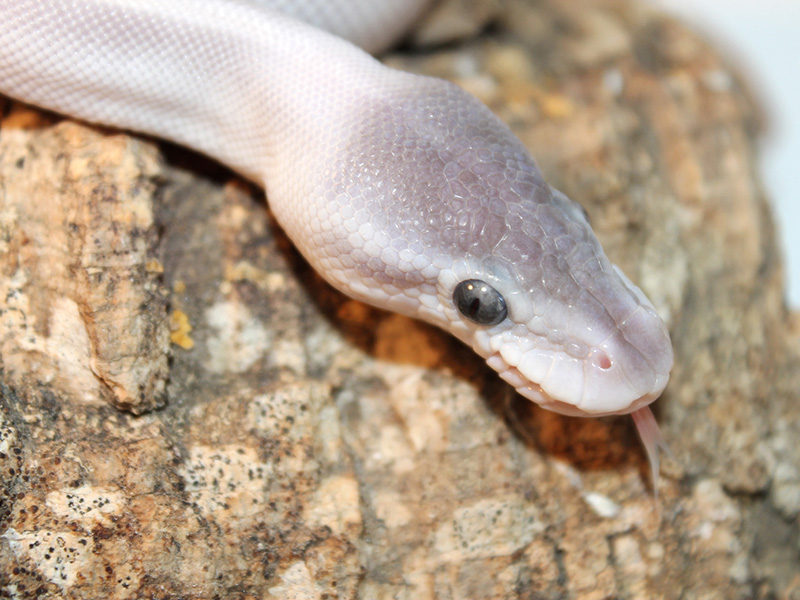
pixel 402 191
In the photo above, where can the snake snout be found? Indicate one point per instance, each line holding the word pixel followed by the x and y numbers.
pixel 618 371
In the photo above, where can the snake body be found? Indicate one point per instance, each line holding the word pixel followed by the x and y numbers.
pixel 401 190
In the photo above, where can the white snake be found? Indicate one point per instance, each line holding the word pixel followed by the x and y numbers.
pixel 402 191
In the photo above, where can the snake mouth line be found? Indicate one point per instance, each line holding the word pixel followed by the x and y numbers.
pixel 532 390
pixel 535 392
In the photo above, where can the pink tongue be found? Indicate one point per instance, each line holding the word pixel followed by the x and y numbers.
pixel 652 439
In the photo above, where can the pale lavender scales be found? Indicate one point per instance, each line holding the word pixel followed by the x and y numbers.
pixel 396 187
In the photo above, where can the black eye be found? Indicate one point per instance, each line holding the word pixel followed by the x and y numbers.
pixel 480 302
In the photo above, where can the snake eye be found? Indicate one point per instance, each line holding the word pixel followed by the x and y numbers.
pixel 480 302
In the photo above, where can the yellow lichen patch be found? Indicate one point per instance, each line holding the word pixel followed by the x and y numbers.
pixel 556 106
pixel 265 280
pixel 244 271
pixel 179 287
pixel 154 266
pixel 179 330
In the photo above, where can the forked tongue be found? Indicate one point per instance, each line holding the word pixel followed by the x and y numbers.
pixel 652 439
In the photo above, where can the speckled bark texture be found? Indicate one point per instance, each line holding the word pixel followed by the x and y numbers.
pixel 295 444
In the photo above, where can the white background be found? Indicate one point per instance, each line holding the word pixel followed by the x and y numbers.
pixel 763 38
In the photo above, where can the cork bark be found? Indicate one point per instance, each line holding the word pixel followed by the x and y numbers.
pixel 188 411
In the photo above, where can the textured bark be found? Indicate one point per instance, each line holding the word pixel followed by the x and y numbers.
pixel 307 446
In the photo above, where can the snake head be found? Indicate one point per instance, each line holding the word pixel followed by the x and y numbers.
pixel 541 302
pixel 435 209
pixel 569 331
pixel 441 213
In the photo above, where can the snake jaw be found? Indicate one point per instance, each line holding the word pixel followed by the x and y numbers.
pixel 580 399
pixel 649 432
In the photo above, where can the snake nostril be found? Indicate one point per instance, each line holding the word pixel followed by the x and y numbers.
pixel 600 359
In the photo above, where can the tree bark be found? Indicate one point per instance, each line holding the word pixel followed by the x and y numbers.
pixel 188 411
